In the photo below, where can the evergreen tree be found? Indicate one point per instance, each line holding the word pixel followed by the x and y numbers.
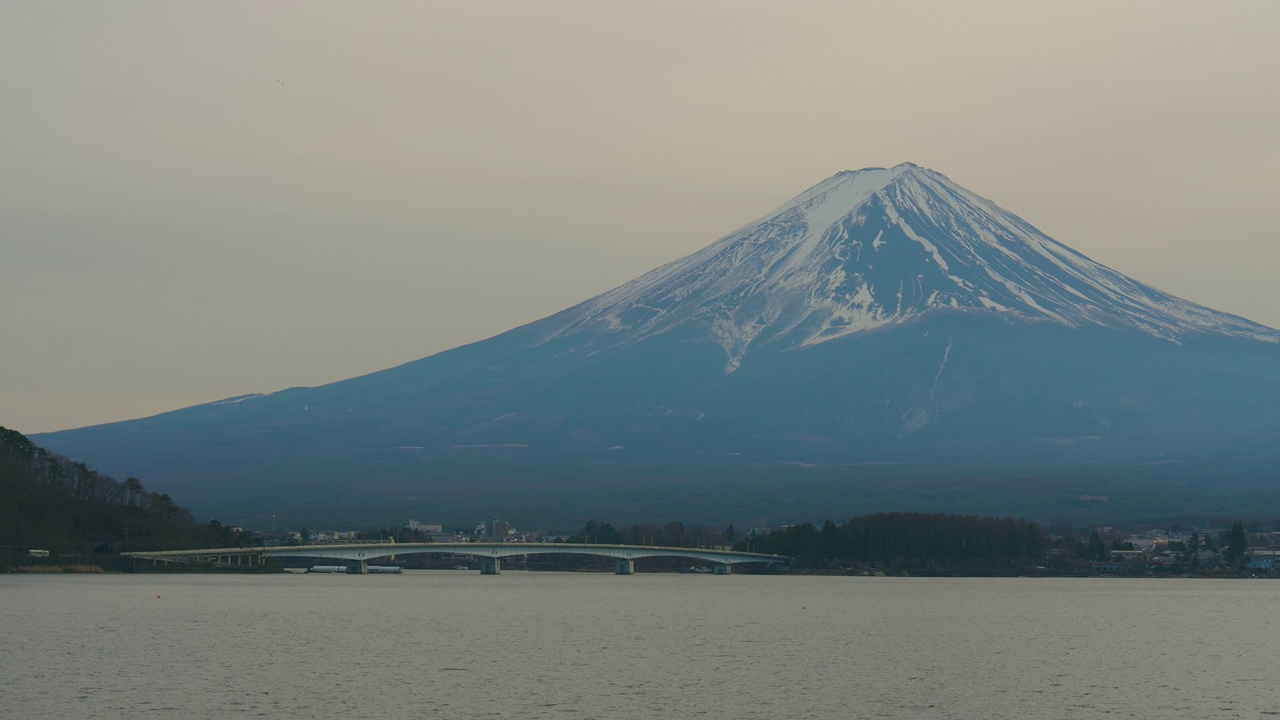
pixel 1237 543
pixel 1097 549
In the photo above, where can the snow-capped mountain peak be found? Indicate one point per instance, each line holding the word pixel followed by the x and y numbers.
pixel 868 248
pixel 839 194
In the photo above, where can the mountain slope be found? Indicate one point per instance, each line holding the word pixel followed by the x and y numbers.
pixel 885 319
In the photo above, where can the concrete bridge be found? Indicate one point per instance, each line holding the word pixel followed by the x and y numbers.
pixel 357 556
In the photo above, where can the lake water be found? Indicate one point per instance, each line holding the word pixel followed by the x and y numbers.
pixel 453 644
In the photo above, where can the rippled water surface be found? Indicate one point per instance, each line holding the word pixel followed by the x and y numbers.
pixel 582 645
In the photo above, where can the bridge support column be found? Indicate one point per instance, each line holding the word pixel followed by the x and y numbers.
pixel 357 567
pixel 723 569
pixel 490 566
pixel 625 567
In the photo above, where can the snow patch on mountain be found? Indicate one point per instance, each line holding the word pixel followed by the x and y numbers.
pixel 868 248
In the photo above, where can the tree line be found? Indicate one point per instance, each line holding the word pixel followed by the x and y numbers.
pixel 911 541
pixel 50 502
pixel 937 543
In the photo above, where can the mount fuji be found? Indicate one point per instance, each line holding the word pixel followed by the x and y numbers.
pixel 885 340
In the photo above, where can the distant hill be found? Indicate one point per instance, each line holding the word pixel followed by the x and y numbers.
pixel 52 503
pixel 885 340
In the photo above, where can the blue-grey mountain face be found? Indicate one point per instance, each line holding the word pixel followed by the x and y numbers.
pixel 887 339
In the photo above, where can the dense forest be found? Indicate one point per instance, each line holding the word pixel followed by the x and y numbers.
pixel 55 504
pixel 918 541
pixel 941 544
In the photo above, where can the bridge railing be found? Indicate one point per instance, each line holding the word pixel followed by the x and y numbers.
pixel 368 551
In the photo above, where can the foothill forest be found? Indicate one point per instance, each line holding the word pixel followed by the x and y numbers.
pixel 84 520
pixel 50 503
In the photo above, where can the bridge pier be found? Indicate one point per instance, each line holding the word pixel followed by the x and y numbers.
pixel 357 567
pixel 625 567
pixel 490 566
pixel 723 569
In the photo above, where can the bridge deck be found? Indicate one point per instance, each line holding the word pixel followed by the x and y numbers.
pixel 373 551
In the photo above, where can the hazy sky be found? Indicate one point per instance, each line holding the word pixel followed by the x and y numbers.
pixel 200 200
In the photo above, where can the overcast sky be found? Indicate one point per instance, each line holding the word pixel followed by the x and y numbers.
pixel 201 200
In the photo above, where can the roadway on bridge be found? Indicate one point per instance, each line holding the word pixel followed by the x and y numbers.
pixel 490 554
